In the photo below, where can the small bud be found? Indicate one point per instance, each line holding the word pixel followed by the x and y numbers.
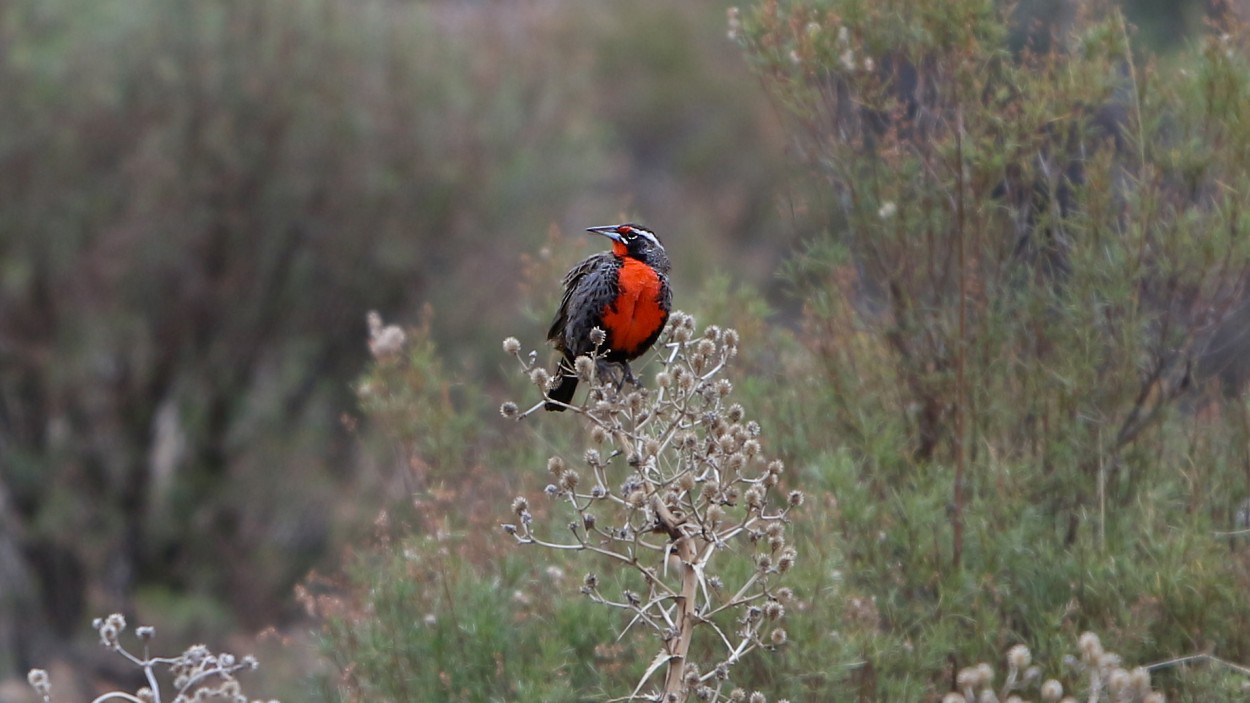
pixel 145 632
pixel 520 505
pixel 38 680
pixel 787 558
pixel 591 581
pixel 509 528
pixel 598 435
pixel 508 409
pixel 637 499
pixel 651 447
pixel 511 345
pixel 1117 682
pixel 592 457
pixel 715 514
pixel 146 695
pixel 710 490
pixel 1090 646
pixel 588 521
pixel 985 674
pixel 774 610
pixel 598 336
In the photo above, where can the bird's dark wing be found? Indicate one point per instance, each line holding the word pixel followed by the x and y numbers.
pixel 589 287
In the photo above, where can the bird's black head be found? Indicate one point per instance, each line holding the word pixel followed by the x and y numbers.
pixel 637 242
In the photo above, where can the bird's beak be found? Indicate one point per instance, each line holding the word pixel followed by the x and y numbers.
pixel 608 231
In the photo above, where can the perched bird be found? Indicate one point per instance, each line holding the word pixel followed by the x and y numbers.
pixel 624 292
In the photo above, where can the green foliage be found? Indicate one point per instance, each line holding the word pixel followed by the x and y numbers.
pixel 1015 312
pixel 439 629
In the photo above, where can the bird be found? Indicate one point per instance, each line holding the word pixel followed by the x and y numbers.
pixel 624 292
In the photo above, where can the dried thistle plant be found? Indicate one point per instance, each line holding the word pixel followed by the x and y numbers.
pixel 1106 678
pixel 198 674
pixel 673 486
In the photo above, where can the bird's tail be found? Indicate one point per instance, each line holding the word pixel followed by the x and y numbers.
pixel 568 385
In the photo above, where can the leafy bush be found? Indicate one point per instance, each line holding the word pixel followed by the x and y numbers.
pixel 1029 263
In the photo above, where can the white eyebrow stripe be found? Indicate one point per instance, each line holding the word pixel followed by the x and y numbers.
pixel 648 235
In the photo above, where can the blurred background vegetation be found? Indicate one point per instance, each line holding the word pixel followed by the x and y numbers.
pixel 199 201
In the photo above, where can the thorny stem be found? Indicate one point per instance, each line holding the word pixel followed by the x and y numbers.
pixel 686 618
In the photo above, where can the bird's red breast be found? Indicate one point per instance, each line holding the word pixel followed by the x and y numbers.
pixel 636 315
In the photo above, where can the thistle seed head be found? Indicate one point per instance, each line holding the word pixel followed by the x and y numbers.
pixel 520 505
pixel 1019 657
pixel 584 367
